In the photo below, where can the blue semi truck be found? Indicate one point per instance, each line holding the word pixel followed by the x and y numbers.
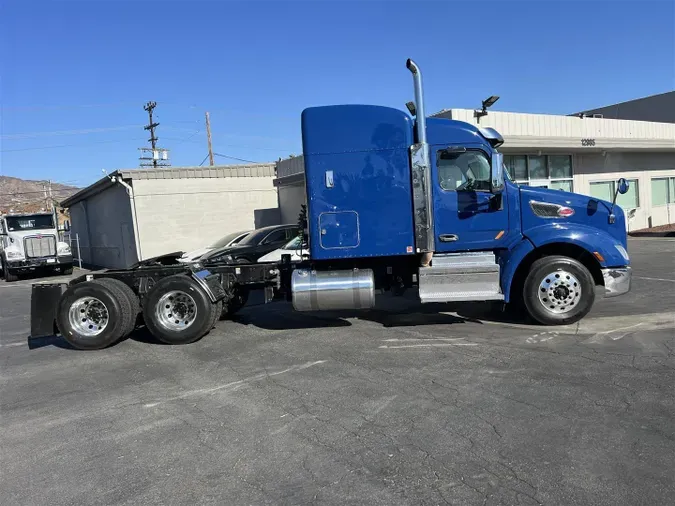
pixel 395 200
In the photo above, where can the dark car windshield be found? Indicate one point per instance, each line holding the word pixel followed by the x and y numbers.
pixel 37 222
pixel 254 237
pixel 225 241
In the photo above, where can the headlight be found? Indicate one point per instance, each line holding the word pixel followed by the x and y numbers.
pixel 623 252
pixel 11 254
pixel 63 248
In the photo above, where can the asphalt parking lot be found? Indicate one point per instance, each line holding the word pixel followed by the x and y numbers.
pixel 401 405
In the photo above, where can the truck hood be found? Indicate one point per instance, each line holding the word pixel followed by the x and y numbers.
pixel 588 211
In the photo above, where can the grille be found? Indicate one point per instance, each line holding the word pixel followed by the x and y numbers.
pixel 545 209
pixel 43 246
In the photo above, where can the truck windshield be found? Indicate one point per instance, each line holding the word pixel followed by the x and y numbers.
pixel 37 222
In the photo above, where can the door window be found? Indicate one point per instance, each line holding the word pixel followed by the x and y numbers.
pixel 276 236
pixel 463 171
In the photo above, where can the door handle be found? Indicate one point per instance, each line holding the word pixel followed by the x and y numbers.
pixel 448 237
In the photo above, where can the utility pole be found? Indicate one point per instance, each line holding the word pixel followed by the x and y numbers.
pixel 157 155
pixel 208 138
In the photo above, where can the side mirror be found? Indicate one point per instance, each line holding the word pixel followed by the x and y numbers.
pixel 622 186
pixel 497 173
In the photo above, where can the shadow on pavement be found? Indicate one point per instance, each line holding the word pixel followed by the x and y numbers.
pixel 57 341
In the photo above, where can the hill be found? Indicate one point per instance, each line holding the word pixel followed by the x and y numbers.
pixel 24 195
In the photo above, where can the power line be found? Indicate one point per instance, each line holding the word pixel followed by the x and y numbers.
pixel 235 158
pixel 202 162
pixel 29 135
pixel 39 191
pixel 64 146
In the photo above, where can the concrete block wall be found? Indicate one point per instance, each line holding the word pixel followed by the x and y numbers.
pixel 185 214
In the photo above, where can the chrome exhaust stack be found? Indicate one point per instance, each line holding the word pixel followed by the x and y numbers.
pixel 419 101
pixel 421 174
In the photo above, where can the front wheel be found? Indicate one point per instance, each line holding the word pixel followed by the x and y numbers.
pixel 9 275
pixel 558 290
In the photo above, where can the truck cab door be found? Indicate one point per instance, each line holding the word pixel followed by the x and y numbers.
pixel 467 216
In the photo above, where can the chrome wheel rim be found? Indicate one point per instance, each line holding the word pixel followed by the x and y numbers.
pixel 176 310
pixel 88 316
pixel 559 292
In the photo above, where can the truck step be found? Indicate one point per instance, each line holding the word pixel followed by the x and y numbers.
pixel 461 260
pixel 460 278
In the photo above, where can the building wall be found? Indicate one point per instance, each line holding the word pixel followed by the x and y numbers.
pixel 645 214
pixel 185 214
pixel 291 197
pixel 104 226
pixel 548 131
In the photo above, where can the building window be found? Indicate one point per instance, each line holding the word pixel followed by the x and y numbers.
pixel 560 166
pixel 663 191
pixel 517 165
pixel 536 166
pixel 551 171
pixel 605 190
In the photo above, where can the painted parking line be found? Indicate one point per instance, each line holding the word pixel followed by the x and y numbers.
pixel 654 279
pixel 601 324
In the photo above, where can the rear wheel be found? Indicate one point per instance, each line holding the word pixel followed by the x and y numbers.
pixel 558 290
pixel 128 293
pixel 178 311
pixel 93 315
pixel 233 305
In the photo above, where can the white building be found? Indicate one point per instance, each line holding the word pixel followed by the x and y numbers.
pixel 142 213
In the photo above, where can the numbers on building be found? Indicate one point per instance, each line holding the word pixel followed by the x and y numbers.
pixel 588 142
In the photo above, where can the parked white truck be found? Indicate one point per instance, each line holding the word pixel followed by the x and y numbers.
pixel 29 242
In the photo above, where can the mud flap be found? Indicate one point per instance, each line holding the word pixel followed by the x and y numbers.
pixel 43 303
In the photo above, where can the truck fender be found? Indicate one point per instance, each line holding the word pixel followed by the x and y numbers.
pixel 509 261
pixel 590 239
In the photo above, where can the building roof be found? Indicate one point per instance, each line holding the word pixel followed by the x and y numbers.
pixel 566 132
pixel 216 171
pixel 658 108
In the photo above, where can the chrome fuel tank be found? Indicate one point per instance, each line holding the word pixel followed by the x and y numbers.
pixel 324 290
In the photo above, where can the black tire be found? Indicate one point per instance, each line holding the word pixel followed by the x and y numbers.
pixel 575 305
pixel 67 271
pixel 202 321
pixel 233 305
pixel 130 296
pixel 9 275
pixel 217 312
pixel 116 303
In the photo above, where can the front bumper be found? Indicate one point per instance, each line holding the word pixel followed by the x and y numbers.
pixel 34 263
pixel 617 280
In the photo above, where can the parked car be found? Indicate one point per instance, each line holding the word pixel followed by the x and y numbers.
pixel 223 242
pixel 290 248
pixel 253 246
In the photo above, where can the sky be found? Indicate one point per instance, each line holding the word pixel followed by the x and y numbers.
pixel 74 75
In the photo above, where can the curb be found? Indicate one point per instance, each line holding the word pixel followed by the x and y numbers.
pixel 667 233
